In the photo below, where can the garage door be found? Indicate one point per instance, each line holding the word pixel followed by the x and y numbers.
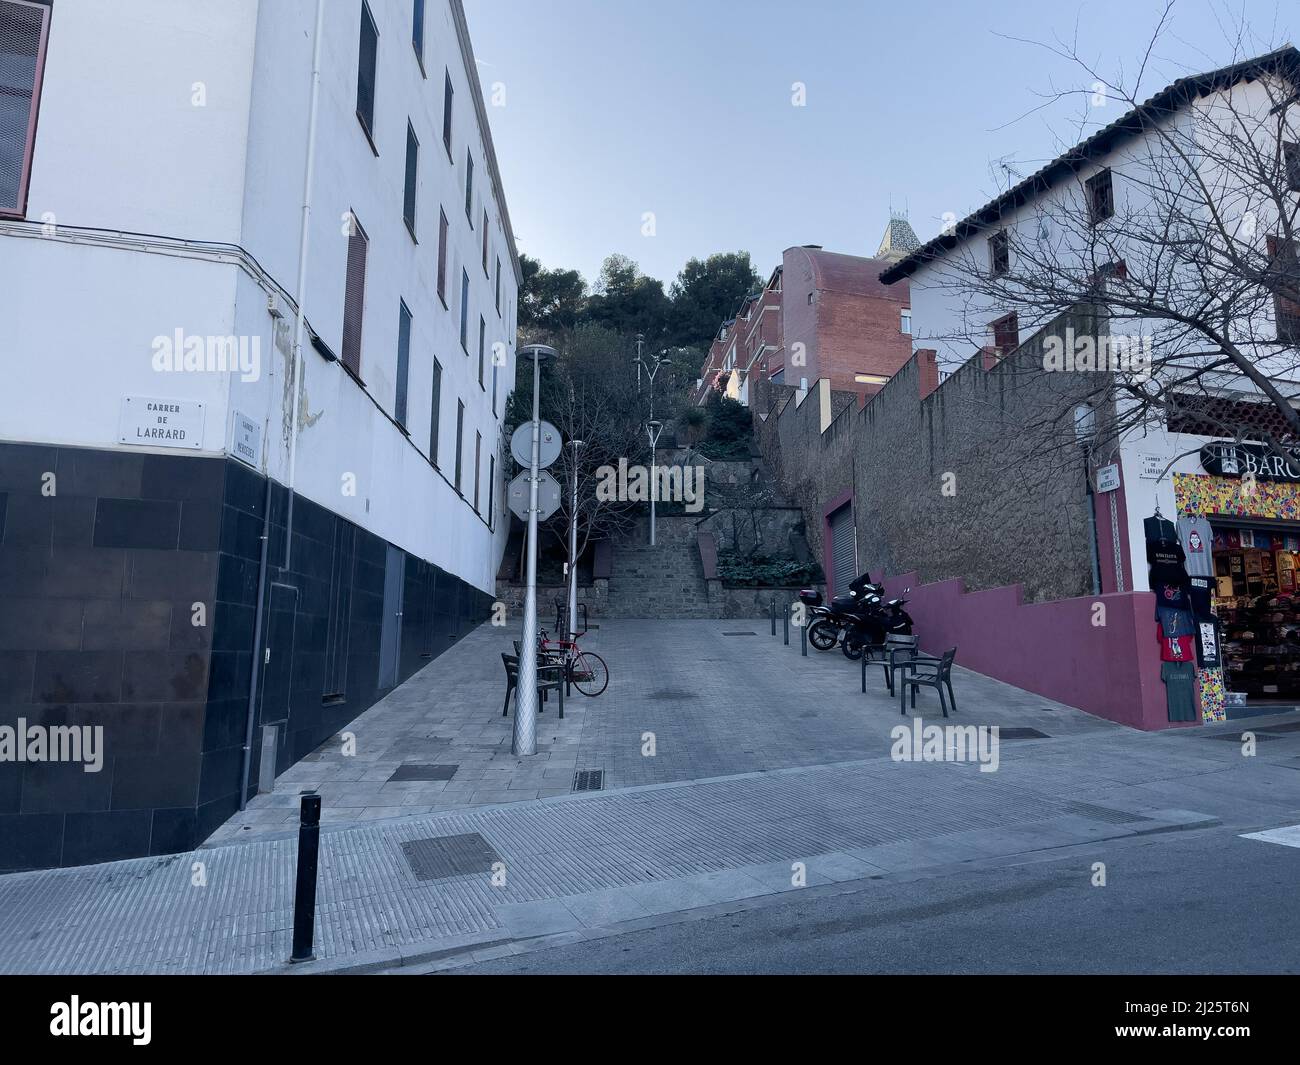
pixel 844 554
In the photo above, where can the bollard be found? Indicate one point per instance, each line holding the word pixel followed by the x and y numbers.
pixel 304 897
pixel 785 625
pixel 803 640
pixel 773 615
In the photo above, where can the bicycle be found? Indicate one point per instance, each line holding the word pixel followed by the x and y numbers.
pixel 584 670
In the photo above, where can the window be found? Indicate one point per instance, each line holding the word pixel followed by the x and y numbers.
pixel 23 29
pixel 485 244
pixel 460 437
pixel 417 30
pixel 354 296
pixel 999 253
pixel 412 168
pixel 478 451
pixel 492 489
pixel 482 336
pixel 1286 280
pixel 905 322
pixel 810 299
pixel 435 411
pixel 403 361
pixel 1291 160
pixel 494 379
pixel 469 188
pixel 442 256
pixel 1006 334
pixel 447 94
pixel 1101 197
pixel 464 310
pixel 368 49
pixel 498 291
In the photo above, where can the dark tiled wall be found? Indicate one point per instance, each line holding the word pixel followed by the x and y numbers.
pixel 97 590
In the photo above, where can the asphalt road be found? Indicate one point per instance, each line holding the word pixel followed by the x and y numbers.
pixel 1198 902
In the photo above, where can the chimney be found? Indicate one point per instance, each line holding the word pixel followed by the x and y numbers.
pixel 927 370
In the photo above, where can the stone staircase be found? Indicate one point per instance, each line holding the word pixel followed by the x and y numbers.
pixel 665 581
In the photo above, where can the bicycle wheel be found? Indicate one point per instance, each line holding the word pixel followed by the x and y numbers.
pixel 589 673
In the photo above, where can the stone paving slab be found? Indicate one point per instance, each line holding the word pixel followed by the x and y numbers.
pixel 573 864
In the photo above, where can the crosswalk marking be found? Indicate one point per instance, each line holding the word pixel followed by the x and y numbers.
pixel 1288 836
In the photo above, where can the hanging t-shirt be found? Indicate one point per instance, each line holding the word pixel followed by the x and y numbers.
pixel 1174 622
pixel 1197 539
pixel 1166 559
pixel 1207 645
pixel 1176 648
pixel 1170 594
pixel 1200 593
pixel 1180 690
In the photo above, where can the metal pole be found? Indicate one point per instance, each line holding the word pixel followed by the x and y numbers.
pixel 573 543
pixel 785 627
pixel 654 481
pixel 525 731
pixel 304 896
pixel 803 640
pixel 773 615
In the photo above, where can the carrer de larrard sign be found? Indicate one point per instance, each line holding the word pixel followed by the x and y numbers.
pixel 161 422
pixel 1227 459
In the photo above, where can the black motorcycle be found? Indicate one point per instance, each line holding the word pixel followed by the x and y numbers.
pixel 829 622
pixel 873 623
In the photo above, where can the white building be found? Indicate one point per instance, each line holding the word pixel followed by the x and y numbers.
pixel 154 161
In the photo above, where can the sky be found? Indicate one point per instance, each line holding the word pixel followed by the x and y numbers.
pixel 606 111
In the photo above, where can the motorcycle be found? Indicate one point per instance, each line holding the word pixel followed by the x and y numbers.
pixel 873 623
pixel 829 622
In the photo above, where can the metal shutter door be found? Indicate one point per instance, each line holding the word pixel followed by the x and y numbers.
pixel 844 562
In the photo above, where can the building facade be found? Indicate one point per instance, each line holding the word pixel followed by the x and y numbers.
pixel 186 561
pixel 821 316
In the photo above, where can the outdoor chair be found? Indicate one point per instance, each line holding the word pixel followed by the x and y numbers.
pixel 549 678
pixel 897 653
pixel 928 672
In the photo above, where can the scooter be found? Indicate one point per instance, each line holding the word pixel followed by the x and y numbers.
pixel 874 622
pixel 829 622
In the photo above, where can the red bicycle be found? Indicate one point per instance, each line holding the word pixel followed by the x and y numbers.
pixel 584 670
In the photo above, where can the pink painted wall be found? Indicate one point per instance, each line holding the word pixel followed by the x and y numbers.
pixel 1052 649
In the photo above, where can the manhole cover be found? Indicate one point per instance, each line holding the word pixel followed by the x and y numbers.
pixel 440 857
pixel 1022 734
pixel 424 772
pixel 589 780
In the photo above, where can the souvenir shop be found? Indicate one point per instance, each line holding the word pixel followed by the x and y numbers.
pixel 1237 544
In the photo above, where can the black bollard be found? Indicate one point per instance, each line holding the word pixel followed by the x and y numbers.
pixel 785 626
pixel 304 897
pixel 803 640
pixel 774 615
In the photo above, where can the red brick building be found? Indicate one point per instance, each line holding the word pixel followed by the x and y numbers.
pixel 821 315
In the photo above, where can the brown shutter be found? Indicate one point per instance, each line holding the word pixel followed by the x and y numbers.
pixel 354 298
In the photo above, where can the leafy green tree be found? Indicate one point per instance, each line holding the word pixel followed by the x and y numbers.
pixel 706 293
pixel 550 301
pixel 627 302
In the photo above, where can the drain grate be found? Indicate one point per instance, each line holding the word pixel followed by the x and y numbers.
pixel 440 857
pixel 1104 813
pixel 415 771
pixel 740 634
pixel 589 780
pixel 1293 726
pixel 1235 737
pixel 1022 734
pixel 672 695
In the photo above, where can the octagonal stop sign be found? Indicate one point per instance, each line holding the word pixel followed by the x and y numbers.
pixel 548 495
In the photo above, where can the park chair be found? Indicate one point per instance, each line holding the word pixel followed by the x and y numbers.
pixel 897 653
pixel 550 677
pixel 929 672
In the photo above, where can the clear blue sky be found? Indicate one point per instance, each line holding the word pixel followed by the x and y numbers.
pixel 614 108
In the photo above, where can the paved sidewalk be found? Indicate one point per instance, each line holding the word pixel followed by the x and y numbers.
pixel 716 704
pixel 579 865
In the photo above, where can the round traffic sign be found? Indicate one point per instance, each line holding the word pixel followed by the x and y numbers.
pixel 521 445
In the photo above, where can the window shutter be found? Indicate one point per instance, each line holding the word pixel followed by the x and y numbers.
pixel 23 28
pixel 354 298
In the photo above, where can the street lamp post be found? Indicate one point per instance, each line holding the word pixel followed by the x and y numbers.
pixel 525 731
pixel 577 446
pixel 653 429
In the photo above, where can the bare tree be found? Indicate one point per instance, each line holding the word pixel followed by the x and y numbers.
pixel 1171 278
